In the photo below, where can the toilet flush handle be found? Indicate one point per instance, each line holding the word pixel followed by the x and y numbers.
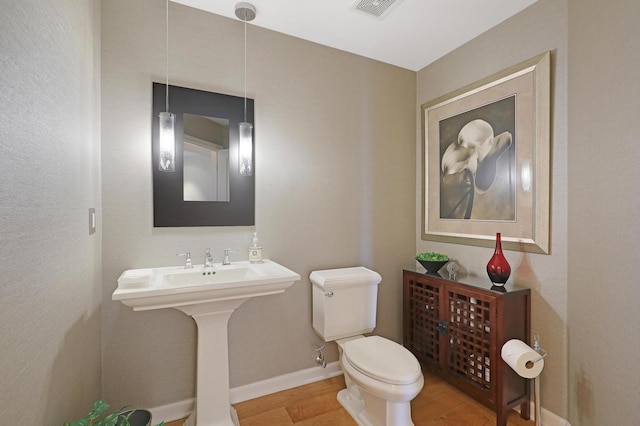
pixel 328 294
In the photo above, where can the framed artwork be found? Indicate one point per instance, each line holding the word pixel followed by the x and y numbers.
pixel 485 164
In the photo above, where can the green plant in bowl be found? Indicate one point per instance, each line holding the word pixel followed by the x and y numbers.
pixel 432 256
pixel 432 261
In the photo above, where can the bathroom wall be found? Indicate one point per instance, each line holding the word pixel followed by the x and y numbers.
pixel 50 273
pixel 539 28
pixel 335 145
pixel 603 316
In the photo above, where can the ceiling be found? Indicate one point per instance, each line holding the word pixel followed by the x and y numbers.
pixel 410 34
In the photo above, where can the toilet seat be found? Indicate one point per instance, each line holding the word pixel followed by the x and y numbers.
pixel 383 360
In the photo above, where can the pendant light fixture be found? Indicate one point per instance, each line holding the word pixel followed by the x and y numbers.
pixel 167 121
pixel 245 12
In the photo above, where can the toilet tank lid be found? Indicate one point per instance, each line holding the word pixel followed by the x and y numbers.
pixel 331 279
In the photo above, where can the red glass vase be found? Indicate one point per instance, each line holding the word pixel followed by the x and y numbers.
pixel 498 268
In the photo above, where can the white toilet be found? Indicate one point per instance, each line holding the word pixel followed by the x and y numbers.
pixel 382 376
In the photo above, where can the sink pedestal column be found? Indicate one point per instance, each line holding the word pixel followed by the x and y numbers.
pixel 213 406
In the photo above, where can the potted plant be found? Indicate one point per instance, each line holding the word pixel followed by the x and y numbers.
pixel 125 416
pixel 432 261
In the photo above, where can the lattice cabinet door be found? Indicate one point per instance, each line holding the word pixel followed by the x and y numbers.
pixel 422 301
pixel 470 318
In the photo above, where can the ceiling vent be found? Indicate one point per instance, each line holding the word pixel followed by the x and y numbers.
pixel 376 8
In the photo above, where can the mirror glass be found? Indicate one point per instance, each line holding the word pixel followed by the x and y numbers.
pixel 206 188
pixel 206 158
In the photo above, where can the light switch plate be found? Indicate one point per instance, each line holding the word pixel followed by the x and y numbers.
pixel 92 220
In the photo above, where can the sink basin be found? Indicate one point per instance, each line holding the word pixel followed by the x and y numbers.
pixel 209 295
pixel 208 276
pixel 174 287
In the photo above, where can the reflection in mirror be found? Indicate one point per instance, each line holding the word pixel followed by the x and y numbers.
pixel 206 158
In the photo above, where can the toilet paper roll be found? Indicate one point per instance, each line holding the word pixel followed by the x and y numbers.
pixel 520 356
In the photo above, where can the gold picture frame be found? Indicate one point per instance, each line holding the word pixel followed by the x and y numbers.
pixel 485 161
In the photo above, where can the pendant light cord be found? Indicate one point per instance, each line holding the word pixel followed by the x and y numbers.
pixel 167 64
pixel 245 65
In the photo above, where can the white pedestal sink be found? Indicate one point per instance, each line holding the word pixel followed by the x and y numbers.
pixel 209 296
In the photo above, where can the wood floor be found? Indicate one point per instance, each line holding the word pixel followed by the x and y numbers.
pixel 315 404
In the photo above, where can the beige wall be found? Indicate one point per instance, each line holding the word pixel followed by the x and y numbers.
pixel 334 135
pixel 604 226
pixel 539 28
pixel 50 272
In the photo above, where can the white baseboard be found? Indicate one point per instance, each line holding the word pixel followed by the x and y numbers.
pixel 547 417
pixel 182 409
pixel 286 381
pixel 174 411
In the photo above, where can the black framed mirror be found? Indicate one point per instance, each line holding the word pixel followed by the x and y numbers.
pixel 212 119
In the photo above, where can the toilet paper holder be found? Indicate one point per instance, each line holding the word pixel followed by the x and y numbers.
pixel 537 348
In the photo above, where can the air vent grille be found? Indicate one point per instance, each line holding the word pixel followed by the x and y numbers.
pixel 376 7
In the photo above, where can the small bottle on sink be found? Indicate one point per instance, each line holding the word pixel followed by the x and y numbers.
pixel 255 251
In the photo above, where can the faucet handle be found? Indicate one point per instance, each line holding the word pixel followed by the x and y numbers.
pixel 208 259
pixel 187 264
pixel 227 252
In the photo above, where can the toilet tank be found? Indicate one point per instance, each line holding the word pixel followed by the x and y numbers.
pixel 344 301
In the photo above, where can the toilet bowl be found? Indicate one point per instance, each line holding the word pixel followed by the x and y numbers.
pixel 382 378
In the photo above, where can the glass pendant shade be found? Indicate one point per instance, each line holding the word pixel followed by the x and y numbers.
pixel 167 142
pixel 246 149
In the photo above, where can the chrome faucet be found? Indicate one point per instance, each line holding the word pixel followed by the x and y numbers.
pixel 225 259
pixel 187 263
pixel 208 260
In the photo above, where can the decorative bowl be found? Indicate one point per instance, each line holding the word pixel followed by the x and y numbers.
pixel 432 266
